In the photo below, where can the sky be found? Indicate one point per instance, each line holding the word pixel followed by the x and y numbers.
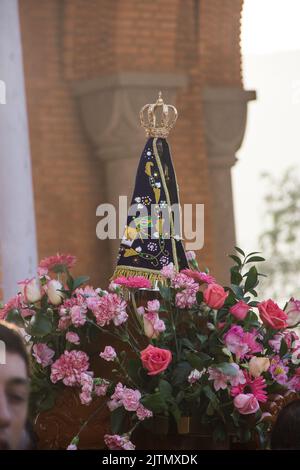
pixel 270 26
pixel 270 44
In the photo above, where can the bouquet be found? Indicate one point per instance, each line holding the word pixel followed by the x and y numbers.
pixel 201 350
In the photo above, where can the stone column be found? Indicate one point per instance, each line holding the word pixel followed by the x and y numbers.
pixel 110 109
pixel 17 221
pixel 225 116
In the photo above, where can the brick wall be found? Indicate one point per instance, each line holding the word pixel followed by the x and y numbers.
pixel 66 40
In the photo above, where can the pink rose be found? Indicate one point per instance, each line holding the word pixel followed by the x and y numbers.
pixel 155 360
pixel 239 310
pixel 215 296
pixel 43 354
pixel 271 315
pixel 109 354
pixel 246 404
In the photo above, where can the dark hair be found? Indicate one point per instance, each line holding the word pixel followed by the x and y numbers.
pixel 286 431
pixel 13 341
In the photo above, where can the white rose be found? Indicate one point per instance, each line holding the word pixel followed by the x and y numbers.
pixel 53 291
pixel 31 290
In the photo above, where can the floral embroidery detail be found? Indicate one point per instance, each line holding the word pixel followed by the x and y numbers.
pixel 152 246
pixel 164 260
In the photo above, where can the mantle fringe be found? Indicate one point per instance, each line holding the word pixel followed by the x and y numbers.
pixel 131 271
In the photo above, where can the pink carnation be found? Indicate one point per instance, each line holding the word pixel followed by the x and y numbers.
pixel 185 299
pixel 77 316
pixel 87 383
pixel 43 354
pixel 168 271
pixel 143 413
pixel 52 261
pixel 72 337
pixel 69 367
pixel 109 354
pixel 153 305
pixel 198 276
pixel 64 322
pixel 131 399
pixel 15 303
pixel 101 390
pixel 126 397
pixel 116 442
pixel 109 308
pixel 133 282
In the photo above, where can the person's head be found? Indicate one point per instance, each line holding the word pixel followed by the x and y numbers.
pixel 14 387
pixel 286 431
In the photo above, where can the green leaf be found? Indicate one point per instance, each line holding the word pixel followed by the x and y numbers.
pixel 211 396
pixel 201 338
pixel 238 291
pixel 236 259
pixel 253 253
pixel 255 258
pixel 175 411
pixel 181 373
pixel 253 292
pixel 165 389
pixel 251 280
pixel 133 369
pixel 117 419
pixel 14 316
pixel 199 360
pixel 70 283
pixel 154 402
pixel 187 343
pixel 40 325
pixel 283 348
pixel 79 281
pixel 236 277
pixel 239 250
pixel 165 292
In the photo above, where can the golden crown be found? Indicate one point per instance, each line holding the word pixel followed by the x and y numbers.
pixel 158 126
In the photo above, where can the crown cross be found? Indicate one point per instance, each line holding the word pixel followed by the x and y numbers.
pixel 155 125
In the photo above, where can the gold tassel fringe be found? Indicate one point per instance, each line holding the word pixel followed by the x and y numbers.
pixel 126 271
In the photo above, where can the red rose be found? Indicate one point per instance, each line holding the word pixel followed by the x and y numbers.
pixel 155 360
pixel 271 315
pixel 215 296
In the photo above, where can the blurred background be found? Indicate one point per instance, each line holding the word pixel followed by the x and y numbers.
pixel 73 77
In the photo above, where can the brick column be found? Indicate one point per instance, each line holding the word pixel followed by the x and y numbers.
pixel 225 116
